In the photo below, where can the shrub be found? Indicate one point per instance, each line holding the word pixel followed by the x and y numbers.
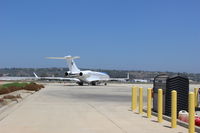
pixel 33 87
pixel 8 88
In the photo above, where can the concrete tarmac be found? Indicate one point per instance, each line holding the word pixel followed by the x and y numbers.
pixel 65 108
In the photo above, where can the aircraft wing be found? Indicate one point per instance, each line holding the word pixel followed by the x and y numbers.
pixel 117 79
pixel 56 78
pixel 120 79
pixel 37 78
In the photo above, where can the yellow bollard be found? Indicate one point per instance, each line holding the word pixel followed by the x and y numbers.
pixel 134 98
pixel 140 100
pixel 191 112
pixel 196 96
pixel 160 105
pixel 174 109
pixel 149 102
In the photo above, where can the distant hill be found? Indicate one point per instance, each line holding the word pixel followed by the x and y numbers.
pixel 44 72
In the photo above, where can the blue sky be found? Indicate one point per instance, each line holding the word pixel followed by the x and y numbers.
pixel 152 35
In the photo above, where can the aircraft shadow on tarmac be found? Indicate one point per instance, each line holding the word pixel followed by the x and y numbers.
pixel 103 97
pixel 91 97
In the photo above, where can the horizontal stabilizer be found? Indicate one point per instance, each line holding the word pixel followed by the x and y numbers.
pixel 70 61
pixel 64 58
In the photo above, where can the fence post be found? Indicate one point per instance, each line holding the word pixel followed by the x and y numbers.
pixel 140 100
pixel 134 98
pixel 149 102
pixel 191 112
pixel 174 109
pixel 160 105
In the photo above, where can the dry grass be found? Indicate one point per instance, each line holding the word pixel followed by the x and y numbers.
pixel 16 87
pixel 1 100
pixel 33 87
pixel 12 96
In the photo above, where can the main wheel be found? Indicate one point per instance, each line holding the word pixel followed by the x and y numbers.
pixel 80 83
pixel 93 83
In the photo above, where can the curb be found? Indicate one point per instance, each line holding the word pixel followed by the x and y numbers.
pixel 4 111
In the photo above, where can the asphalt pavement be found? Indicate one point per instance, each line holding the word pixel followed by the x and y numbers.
pixel 67 108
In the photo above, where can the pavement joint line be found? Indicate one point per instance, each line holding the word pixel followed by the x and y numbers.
pixel 108 118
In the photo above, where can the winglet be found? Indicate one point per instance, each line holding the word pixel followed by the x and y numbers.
pixel 35 75
pixel 128 77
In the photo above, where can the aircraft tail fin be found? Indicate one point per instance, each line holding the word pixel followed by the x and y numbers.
pixel 70 61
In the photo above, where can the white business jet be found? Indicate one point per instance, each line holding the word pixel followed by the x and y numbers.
pixel 86 76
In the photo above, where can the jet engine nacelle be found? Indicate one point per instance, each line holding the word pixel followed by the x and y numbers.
pixel 66 73
pixel 73 74
pixel 80 74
